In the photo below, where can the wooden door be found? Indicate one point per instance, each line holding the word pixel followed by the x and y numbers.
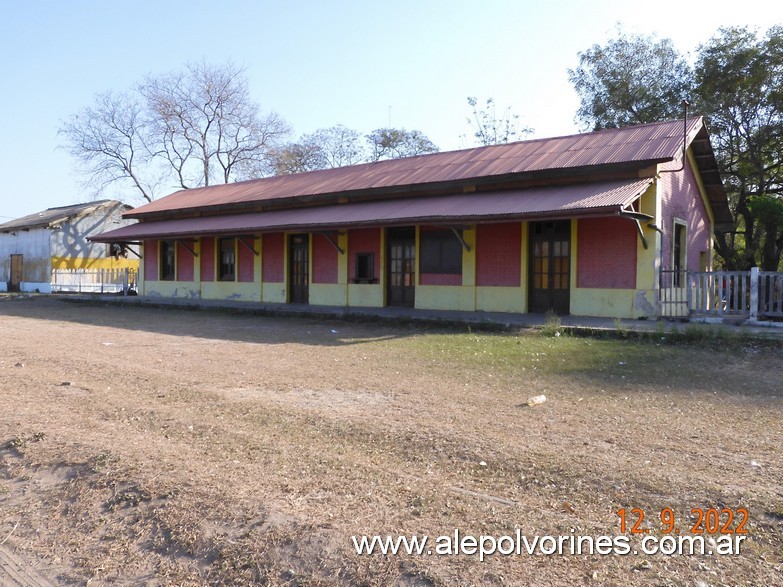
pixel 550 266
pixel 17 272
pixel 299 268
pixel 401 263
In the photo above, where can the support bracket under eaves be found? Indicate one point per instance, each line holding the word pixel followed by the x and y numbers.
pixel 637 217
pixel 456 232
pixel 337 247
pixel 248 246
pixel 185 246
pixel 126 246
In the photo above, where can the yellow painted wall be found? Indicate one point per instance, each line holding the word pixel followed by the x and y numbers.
pixel 273 293
pixel 94 263
pixel 230 290
pixel 445 297
pixel 603 302
pixel 328 294
pixel 469 257
pixel 500 299
pixel 172 289
pixel 366 295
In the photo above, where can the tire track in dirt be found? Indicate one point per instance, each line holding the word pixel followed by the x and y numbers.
pixel 14 572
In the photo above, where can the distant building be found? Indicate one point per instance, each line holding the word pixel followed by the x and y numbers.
pixel 578 224
pixel 33 246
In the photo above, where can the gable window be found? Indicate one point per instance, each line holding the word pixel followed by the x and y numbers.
pixel 679 253
pixel 167 259
pixel 441 252
pixel 365 268
pixel 228 255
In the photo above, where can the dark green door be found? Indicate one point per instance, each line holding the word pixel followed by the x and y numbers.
pixel 401 262
pixel 550 266
pixel 299 268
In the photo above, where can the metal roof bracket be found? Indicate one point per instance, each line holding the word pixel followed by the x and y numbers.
pixel 641 235
pixel 331 242
pixel 127 248
pixel 247 246
pixel 636 217
pixel 186 247
pixel 465 245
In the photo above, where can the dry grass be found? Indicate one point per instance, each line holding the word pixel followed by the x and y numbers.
pixel 144 446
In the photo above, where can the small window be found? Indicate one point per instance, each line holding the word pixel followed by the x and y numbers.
pixel 365 268
pixel 167 256
pixel 227 269
pixel 441 252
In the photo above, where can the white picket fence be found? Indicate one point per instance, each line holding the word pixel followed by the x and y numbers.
pixel 750 294
pixel 94 280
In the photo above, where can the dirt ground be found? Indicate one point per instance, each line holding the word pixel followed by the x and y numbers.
pixel 143 446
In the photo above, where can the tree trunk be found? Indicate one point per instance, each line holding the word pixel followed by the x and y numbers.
pixel 770 254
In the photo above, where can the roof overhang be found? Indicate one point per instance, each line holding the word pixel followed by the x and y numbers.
pixel 572 201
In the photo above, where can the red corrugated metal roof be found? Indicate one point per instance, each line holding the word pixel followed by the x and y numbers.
pixel 605 198
pixel 644 143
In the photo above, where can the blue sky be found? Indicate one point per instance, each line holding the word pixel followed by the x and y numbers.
pixel 317 63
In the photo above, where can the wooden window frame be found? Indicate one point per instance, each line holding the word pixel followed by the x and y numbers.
pixel 365 261
pixel 440 252
pixel 167 249
pixel 222 273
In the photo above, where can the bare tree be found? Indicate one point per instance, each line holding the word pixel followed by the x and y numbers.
pixel 395 143
pixel 305 155
pixel 489 129
pixel 340 145
pixel 205 125
pixel 109 139
pixel 196 127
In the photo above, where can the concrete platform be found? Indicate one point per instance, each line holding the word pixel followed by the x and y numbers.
pixel 482 320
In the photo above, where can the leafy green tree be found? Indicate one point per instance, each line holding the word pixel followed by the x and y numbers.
pixel 491 129
pixel 739 81
pixel 633 79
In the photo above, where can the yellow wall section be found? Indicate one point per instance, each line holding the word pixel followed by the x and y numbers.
pixel 327 294
pixel 603 302
pixel 469 257
pixel 172 289
pixel 273 293
pixel 365 295
pixel 445 297
pixel 525 263
pixel 230 290
pixel 500 299
pixel 94 263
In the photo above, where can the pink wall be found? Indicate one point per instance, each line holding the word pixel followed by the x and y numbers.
pixel 681 199
pixel 324 258
pixel 364 240
pixel 440 279
pixel 273 257
pixel 151 260
pixel 606 253
pixel 207 259
pixel 245 259
pixel 185 261
pixel 499 254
